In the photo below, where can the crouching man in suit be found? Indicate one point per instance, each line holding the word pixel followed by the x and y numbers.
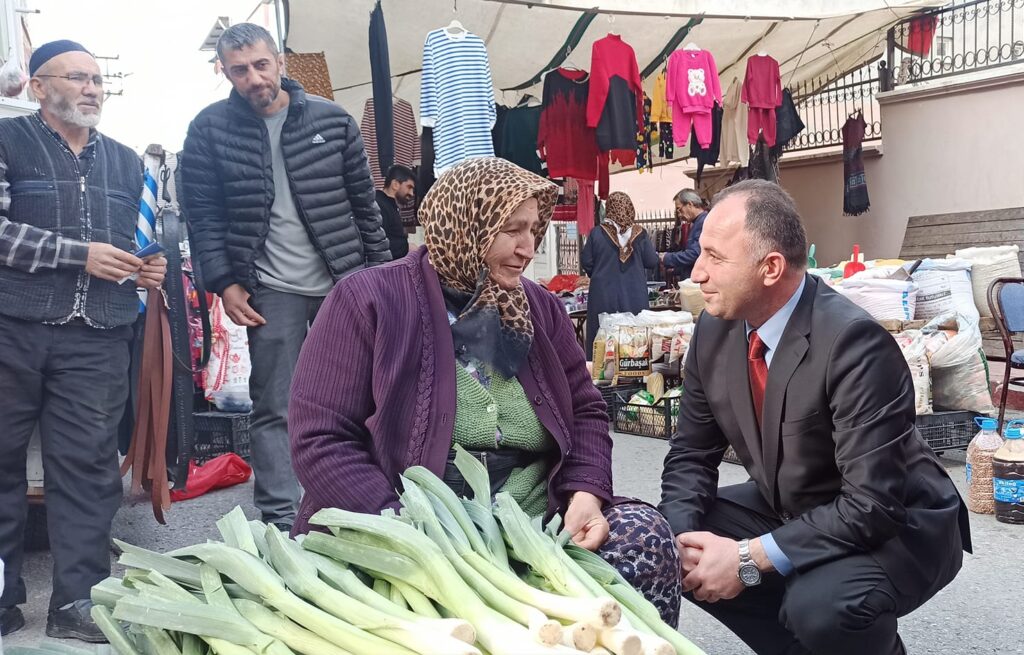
pixel 849 521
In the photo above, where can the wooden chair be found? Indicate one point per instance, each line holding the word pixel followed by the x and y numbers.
pixel 1006 300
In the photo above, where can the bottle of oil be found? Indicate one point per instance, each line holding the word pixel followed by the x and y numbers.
pixel 979 466
pixel 1008 476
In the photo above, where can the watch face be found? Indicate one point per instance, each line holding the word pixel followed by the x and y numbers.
pixel 750 575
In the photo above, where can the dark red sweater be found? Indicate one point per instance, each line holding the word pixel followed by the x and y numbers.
pixel 564 139
pixel 762 86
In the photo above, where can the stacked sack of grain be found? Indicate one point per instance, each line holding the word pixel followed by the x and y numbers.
pixel 988 264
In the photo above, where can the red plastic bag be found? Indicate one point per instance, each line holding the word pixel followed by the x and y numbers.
pixel 564 282
pixel 220 472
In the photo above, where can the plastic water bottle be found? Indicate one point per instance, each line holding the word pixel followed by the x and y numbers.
pixel 1008 476
pixel 979 466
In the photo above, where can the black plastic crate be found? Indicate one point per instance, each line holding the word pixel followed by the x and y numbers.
pixel 658 421
pixel 608 392
pixel 947 430
pixel 217 433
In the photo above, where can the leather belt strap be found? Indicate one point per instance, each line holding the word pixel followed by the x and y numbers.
pixel 147 456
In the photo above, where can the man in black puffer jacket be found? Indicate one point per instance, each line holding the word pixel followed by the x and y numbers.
pixel 281 204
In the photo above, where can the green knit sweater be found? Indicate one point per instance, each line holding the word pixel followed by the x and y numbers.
pixel 502 416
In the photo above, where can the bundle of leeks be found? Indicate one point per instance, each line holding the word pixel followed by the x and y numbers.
pixel 445 576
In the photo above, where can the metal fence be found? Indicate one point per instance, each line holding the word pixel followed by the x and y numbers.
pixel 958 38
pixel 570 242
pixel 826 104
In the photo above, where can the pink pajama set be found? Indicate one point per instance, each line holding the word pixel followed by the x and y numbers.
pixel 692 88
pixel 762 91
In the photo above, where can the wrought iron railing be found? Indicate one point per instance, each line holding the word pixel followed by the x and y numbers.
pixel 958 38
pixel 825 105
pixel 570 243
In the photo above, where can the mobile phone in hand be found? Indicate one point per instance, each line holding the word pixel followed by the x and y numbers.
pixel 152 250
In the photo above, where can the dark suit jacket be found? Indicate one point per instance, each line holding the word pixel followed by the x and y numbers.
pixel 840 460
pixel 684 260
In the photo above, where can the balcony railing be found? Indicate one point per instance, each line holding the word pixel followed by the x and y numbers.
pixel 824 105
pixel 959 38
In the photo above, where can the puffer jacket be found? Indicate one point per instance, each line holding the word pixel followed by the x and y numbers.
pixel 228 185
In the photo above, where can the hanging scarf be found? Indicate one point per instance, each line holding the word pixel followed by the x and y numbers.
pixel 462 215
pixel 855 186
pixel 620 216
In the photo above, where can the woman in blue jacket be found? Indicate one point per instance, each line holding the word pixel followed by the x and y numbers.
pixel 616 257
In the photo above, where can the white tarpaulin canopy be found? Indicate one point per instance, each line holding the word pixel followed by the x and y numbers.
pixel 809 38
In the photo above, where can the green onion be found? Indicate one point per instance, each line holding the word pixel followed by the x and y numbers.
pixel 436 487
pixel 581 636
pixel 234 528
pixel 300 575
pixel 382 588
pixel 415 600
pixel 112 631
pixel 258 578
pixel 175 569
pixel 295 637
pixel 643 614
pixel 498 634
pixel 222 647
pixel 160 643
pixel 345 580
pixel 191 645
pixel 396 597
pixel 417 502
pixel 109 591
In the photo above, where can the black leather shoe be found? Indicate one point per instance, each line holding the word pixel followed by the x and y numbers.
pixel 11 620
pixel 74 622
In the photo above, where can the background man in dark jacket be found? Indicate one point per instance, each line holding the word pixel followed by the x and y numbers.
pixel 281 203
pixel 399 189
pixel 849 521
pixel 689 209
pixel 69 199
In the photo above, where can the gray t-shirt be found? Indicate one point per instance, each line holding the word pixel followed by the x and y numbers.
pixel 289 262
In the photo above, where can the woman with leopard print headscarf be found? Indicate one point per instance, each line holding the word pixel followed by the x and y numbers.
pixel 617 258
pixel 452 346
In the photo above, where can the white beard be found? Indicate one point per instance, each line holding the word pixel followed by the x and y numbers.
pixel 71 114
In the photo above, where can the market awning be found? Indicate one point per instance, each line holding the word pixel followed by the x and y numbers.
pixel 809 38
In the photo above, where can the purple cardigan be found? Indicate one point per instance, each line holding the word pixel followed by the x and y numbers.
pixel 374 392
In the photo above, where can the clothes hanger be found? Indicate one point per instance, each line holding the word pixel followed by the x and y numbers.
pixel 611 21
pixel 691 46
pixel 569 64
pixel 455 27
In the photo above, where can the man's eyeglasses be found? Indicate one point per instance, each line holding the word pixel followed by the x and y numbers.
pixel 79 78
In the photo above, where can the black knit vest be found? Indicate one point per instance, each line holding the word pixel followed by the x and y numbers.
pixel 89 199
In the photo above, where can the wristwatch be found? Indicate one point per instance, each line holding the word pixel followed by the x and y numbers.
pixel 749 574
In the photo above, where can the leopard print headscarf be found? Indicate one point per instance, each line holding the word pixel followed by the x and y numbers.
pixel 621 215
pixel 462 215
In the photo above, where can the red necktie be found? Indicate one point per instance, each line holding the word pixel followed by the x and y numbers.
pixel 757 368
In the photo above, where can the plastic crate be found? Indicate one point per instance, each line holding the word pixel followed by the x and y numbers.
pixel 947 430
pixel 628 388
pixel 217 433
pixel 658 421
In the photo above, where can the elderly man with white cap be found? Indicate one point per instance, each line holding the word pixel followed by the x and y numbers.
pixel 69 198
